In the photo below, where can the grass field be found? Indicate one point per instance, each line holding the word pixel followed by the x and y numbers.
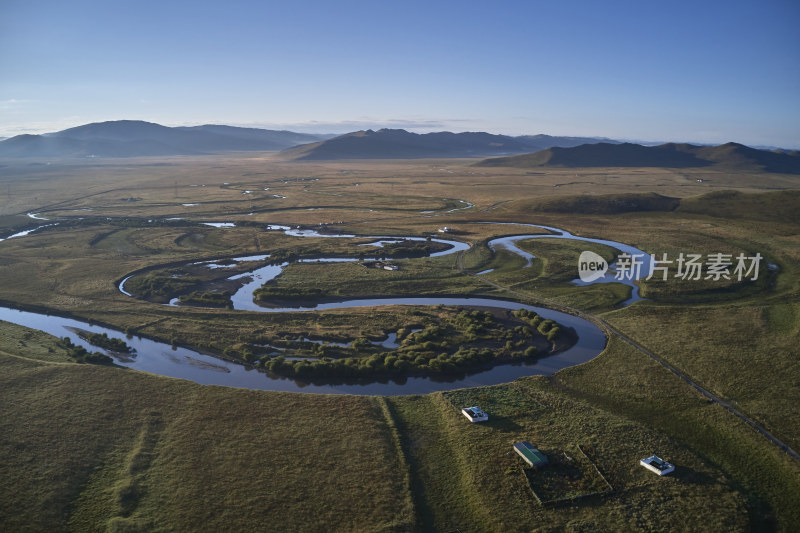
pixel 90 448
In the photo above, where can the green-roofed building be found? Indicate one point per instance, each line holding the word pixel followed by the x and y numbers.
pixel 531 455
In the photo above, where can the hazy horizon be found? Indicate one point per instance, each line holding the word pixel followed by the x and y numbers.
pixel 705 73
pixel 342 128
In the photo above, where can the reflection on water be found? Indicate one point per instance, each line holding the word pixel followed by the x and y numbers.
pixel 159 358
pixel 29 231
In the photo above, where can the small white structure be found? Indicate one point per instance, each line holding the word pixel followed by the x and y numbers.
pixel 658 465
pixel 390 267
pixel 474 414
pixel 445 229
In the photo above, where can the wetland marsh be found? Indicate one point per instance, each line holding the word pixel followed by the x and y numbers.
pixel 414 457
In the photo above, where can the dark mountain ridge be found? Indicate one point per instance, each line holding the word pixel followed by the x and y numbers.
pixel 731 156
pixel 402 144
pixel 132 138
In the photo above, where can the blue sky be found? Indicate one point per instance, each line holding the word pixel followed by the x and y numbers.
pixel 700 71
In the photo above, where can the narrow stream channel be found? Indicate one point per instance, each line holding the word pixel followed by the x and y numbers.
pixel 645 268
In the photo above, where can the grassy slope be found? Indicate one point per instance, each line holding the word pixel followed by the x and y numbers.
pixel 470 478
pixel 178 456
pixel 631 386
pixel 86 447
pixel 740 343
pixel 128 434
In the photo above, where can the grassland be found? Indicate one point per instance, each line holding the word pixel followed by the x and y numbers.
pixel 92 448
pixel 101 448
pixel 178 456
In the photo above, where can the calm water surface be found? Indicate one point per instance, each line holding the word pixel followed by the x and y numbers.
pixel 159 358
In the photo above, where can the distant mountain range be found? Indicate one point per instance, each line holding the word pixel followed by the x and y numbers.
pixel 725 156
pixel 402 144
pixel 132 138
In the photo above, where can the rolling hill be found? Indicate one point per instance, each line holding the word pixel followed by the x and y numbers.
pixel 773 206
pixel 402 144
pixel 730 156
pixel 132 138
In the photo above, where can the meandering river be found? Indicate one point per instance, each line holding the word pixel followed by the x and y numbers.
pixel 159 358
pixel 611 276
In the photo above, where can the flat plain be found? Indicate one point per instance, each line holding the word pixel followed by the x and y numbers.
pixel 90 447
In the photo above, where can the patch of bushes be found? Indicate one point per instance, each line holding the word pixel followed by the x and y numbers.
pixel 102 340
pixel 270 292
pixel 549 328
pixel 401 250
pixel 380 364
pixel 467 341
pixel 82 355
pixel 206 299
pixel 160 284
